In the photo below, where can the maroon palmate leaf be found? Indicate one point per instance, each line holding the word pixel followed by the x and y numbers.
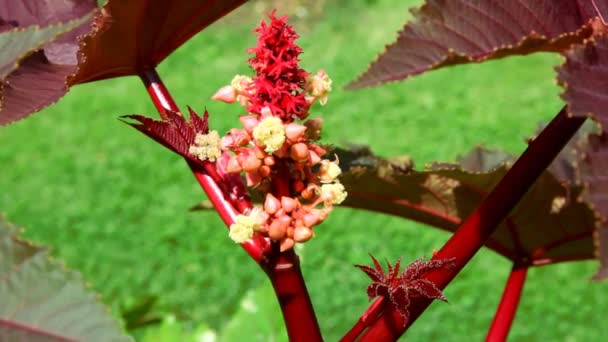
pixel 584 77
pixel 130 36
pixel 176 133
pixel 399 288
pixel 449 32
pixel 550 224
pixel 41 301
pixel 34 67
pixel 592 170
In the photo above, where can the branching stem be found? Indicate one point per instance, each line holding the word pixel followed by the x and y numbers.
pixel 283 269
pixel 480 225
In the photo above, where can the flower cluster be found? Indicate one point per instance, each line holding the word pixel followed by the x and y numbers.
pixel 277 152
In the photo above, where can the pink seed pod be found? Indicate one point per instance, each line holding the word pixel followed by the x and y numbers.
pixel 233 165
pixel 287 244
pixel 289 204
pixel 318 150
pixel 266 112
pixel 265 171
pixel 294 131
pixel 251 163
pixel 271 204
pixel 249 122
pixel 299 152
pixel 225 94
pixel 227 142
pixel 302 234
pixel 311 219
pixel 269 161
pixel 259 152
pixel 285 219
pixel 314 158
pixel 276 231
pixel 240 136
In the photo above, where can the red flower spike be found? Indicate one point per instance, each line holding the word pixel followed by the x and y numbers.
pixel 280 82
pixel 400 288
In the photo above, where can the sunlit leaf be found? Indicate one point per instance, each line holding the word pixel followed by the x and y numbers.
pixel 129 36
pixel 550 224
pixel 449 32
pixel 34 66
pixel 584 77
pixel 41 301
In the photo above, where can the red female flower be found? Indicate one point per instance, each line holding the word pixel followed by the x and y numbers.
pixel 279 83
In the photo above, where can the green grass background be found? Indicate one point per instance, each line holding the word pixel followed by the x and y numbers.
pixel 113 204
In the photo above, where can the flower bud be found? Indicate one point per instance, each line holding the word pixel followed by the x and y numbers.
pixel 314 158
pixel 294 131
pixel 287 244
pixel 276 231
pixel 265 171
pixel 271 204
pixel 302 234
pixel 289 204
pixel 269 161
pixel 299 152
pixel 249 122
pixel 311 219
pixel 251 163
pixel 233 165
pixel 225 94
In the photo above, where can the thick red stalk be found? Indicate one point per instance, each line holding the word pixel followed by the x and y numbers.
pixel 284 272
pixel 283 269
pixel 480 225
pixel 499 330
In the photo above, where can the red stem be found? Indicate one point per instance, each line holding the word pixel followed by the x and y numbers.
pixel 283 269
pixel 206 176
pixel 368 317
pixel 286 277
pixel 499 330
pixel 480 225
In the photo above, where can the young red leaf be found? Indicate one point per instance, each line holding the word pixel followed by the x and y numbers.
pixel 400 288
pixel 176 133
pixel 444 33
pixel 129 36
pixel 34 66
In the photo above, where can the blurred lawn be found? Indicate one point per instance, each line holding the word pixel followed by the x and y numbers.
pixel 113 204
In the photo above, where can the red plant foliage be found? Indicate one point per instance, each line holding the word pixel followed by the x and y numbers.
pixel 279 83
pixel 400 288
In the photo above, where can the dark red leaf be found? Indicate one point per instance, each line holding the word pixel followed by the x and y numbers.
pixel 449 32
pixel 176 133
pixel 592 171
pixel 40 78
pixel 371 272
pixel 550 224
pixel 375 289
pixel 129 36
pixel 584 77
pixel 44 302
pixel 400 298
pixel 427 289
